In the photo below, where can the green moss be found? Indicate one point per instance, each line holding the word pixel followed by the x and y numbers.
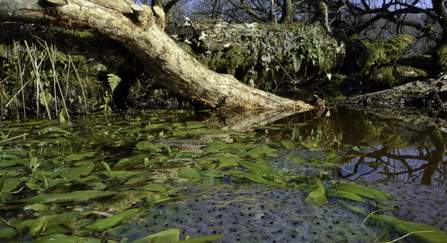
pixel 390 76
pixel 383 52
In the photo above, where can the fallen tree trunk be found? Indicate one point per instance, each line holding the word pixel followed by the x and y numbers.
pixel 429 94
pixel 140 29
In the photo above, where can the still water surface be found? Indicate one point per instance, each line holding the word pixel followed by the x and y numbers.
pixel 351 145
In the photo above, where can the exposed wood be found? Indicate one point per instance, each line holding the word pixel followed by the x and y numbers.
pixel 142 33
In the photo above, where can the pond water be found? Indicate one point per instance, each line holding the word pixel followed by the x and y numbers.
pixel 242 176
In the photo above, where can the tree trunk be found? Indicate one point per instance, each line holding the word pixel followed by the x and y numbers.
pixel 286 11
pixel 439 53
pixel 142 33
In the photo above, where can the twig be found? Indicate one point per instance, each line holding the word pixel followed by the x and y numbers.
pixel 9 139
pixel 26 140
pixel 80 83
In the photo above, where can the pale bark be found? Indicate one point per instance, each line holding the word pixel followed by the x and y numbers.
pixel 142 33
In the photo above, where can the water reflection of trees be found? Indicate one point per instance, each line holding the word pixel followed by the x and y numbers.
pixel 400 150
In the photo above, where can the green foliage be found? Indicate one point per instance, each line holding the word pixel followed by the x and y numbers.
pixel 318 195
pixel 113 80
pixel 2 184
pixel 379 53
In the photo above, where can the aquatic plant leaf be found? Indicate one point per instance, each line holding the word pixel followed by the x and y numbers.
pixel 2 184
pixel 9 157
pixel 130 162
pixel 11 184
pixel 107 223
pixel 37 207
pixel 6 232
pixel 73 157
pixel 145 145
pixel 75 172
pixel 188 173
pixel 360 190
pixel 318 195
pixel 194 124
pixel 37 225
pixel 63 117
pixel 422 232
pixel 153 187
pixel 354 208
pixel 165 236
pixel 201 131
pixel 77 196
pixel 257 167
pixel 212 174
pixel 154 126
pixel 226 160
pixel 254 178
pixel 204 239
pixel 263 149
pixel 108 170
pixel 65 239
pixel 52 129
pixel 216 146
pixel 288 145
pixel 345 194
pixel 268 127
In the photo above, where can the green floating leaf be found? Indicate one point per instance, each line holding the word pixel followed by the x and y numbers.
pixel 74 173
pixel 422 232
pixel 360 190
pixel 257 167
pixel 6 232
pixel 354 208
pixel 7 163
pixel 188 173
pixel 37 207
pixel 263 149
pixel 52 129
pixel 348 195
pixel 154 126
pixel 201 131
pixel 268 127
pixel 165 236
pixel 37 225
pixel 77 196
pixel 153 187
pixel 256 178
pixel 194 124
pixel 228 160
pixel 318 195
pixel 3 183
pixel 73 157
pixel 130 162
pixel 65 239
pixel 145 145
pixel 216 146
pixel 288 145
pixel 204 239
pixel 107 223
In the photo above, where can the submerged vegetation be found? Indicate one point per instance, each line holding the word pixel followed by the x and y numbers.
pixel 100 178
